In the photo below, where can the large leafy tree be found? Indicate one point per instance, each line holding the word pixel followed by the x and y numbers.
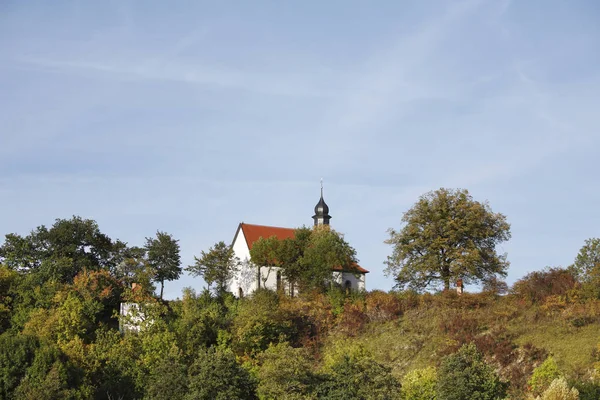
pixel 325 250
pixel 60 252
pixel 217 266
pixel 265 252
pixel 133 267
pixel 290 253
pixel 307 259
pixel 447 236
pixel 163 256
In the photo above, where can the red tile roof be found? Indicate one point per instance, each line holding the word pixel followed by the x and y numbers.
pixel 355 266
pixel 254 232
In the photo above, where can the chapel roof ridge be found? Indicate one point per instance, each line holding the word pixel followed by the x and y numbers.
pixel 266 226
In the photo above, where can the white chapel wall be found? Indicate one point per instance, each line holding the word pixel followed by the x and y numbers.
pixel 246 276
pixel 357 281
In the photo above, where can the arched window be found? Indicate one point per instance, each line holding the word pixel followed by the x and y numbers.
pixel 348 286
pixel 240 292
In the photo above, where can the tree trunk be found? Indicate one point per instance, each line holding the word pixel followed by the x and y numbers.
pixel 446 277
pixel 162 286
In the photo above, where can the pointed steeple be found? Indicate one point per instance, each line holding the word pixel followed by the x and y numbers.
pixel 321 216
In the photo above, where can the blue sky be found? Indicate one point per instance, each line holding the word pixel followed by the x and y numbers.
pixel 190 117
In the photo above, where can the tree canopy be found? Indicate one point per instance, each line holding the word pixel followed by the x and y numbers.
pixel 465 375
pixel 587 267
pixel 447 236
pixel 307 259
pixel 217 266
pixel 60 252
pixel 164 258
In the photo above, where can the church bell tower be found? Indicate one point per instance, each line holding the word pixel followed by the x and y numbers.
pixel 321 216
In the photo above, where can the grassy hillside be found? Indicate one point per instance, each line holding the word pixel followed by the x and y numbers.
pixel 515 335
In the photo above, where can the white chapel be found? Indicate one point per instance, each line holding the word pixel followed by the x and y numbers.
pixel 248 279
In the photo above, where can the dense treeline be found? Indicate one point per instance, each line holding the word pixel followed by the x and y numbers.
pixel 61 340
pixel 61 289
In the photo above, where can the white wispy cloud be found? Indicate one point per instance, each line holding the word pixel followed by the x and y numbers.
pixel 278 84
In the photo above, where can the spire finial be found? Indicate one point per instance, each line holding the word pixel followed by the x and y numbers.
pixel 321 187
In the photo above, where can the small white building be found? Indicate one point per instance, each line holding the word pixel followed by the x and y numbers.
pixel 133 315
pixel 250 276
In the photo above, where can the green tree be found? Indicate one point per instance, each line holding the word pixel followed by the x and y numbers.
pixel 49 377
pixel 465 375
pixel 291 255
pixel 587 262
pixel 8 280
pixel 215 375
pixel 219 265
pixel 308 258
pixel 113 364
pixel 286 373
pixel 447 236
pixel 264 254
pixel 587 267
pixel 163 257
pixel 16 355
pixel 61 252
pixel 168 379
pixel 260 322
pixel 325 250
pixel 132 266
pixel 200 320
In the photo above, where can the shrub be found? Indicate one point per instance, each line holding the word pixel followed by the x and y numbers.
pixel 543 376
pixel 538 285
pixel 353 319
pixel 409 299
pixel 494 286
pixel 420 384
pixel 588 390
pixel 559 390
pixel 382 306
pixel 498 346
pixel 313 317
pixel 465 375
pixel 519 371
pixel 460 328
